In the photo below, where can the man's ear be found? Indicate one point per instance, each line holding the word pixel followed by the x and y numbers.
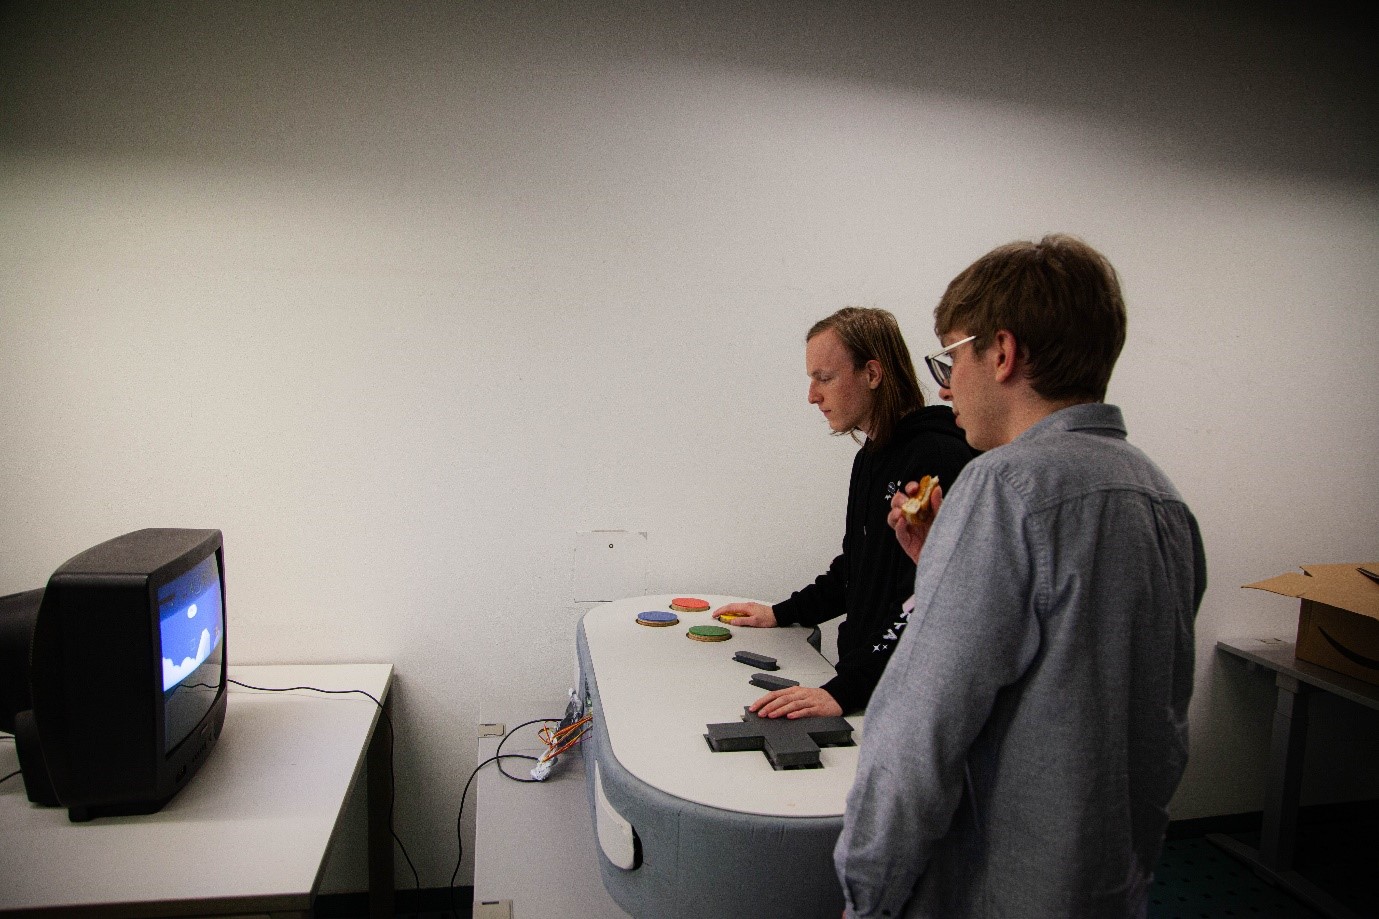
pixel 874 373
pixel 1007 355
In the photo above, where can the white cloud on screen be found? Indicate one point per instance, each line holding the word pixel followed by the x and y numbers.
pixel 175 673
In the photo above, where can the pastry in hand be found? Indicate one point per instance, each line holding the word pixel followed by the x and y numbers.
pixel 919 509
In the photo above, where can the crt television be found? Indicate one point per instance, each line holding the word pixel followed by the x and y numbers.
pixel 112 678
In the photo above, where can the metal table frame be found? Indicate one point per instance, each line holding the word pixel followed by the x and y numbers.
pixel 1296 681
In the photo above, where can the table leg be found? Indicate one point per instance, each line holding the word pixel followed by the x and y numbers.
pixel 380 794
pixel 1278 837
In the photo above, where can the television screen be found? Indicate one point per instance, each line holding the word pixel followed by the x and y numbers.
pixel 190 630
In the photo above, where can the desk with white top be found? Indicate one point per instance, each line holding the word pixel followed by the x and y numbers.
pixel 683 831
pixel 248 834
pixel 534 850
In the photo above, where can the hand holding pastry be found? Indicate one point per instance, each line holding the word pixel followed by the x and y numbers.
pixel 918 509
pixel 912 513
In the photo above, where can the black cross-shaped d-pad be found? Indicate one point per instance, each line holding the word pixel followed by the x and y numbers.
pixel 789 743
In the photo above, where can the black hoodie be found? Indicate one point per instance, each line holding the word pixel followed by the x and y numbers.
pixel 872 576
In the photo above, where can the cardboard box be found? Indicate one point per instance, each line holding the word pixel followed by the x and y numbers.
pixel 1338 626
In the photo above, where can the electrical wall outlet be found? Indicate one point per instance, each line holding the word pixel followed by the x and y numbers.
pixel 492 730
pixel 493 909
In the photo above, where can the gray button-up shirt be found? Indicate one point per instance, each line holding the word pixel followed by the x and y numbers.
pixel 1022 746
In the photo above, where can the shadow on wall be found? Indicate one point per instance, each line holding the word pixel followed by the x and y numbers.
pixel 1272 87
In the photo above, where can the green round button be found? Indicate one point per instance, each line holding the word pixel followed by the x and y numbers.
pixel 709 633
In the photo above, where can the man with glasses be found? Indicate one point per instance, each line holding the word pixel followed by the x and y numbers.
pixel 1023 744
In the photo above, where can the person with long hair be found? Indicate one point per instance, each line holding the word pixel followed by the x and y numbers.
pixel 863 381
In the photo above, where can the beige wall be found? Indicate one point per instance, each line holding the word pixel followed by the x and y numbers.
pixel 404 297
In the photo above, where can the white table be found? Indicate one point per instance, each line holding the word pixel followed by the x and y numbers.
pixel 534 849
pixel 660 690
pixel 249 833
pixel 681 831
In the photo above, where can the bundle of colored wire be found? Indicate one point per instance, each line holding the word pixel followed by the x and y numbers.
pixel 559 740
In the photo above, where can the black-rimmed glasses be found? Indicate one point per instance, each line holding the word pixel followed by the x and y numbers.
pixel 941 363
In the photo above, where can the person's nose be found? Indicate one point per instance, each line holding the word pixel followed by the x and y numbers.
pixel 814 397
pixel 945 394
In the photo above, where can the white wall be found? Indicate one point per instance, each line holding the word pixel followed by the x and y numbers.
pixel 402 298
